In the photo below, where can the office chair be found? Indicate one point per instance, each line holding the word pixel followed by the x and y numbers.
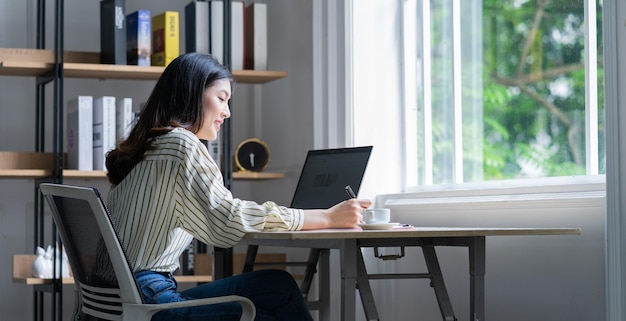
pixel 88 236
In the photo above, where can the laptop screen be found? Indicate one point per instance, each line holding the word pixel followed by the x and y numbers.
pixel 325 174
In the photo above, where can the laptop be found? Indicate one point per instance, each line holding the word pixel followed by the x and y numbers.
pixel 325 174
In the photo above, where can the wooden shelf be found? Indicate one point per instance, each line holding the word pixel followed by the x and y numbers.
pixel 24 68
pixel 38 281
pixel 72 173
pixel 25 173
pixel 102 71
pixel 35 62
pixel 179 279
pixel 257 76
pixel 257 175
pixel 23 262
pixel 42 173
pixel 69 173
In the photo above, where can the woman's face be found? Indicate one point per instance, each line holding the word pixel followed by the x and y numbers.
pixel 215 103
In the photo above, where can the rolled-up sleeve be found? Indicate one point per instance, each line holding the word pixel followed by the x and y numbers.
pixel 207 209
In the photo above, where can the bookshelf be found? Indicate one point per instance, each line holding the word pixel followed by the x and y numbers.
pixel 42 65
pixel 39 63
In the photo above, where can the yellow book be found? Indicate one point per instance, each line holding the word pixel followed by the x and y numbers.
pixel 165 38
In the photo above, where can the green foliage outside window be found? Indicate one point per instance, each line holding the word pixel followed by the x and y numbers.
pixel 534 88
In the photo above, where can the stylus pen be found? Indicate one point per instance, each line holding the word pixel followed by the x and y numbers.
pixel 350 191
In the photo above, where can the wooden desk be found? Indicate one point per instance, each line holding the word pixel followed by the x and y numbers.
pixel 353 273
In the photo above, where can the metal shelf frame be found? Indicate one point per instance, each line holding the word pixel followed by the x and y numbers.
pixel 223 258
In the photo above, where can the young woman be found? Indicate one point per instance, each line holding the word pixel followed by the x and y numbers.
pixel 167 190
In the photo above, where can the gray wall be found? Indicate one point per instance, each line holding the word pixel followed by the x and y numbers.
pixel 615 98
pixel 527 277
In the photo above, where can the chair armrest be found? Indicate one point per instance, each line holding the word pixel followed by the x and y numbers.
pixel 145 311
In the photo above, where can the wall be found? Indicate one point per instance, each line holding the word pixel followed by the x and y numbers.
pixel 281 112
pixel 16 196
pixel 540 278
pixel 615 98
pixel 286 102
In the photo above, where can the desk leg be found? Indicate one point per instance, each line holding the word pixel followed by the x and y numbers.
pixel 311 268
pixel 248 265
pixel 477 278
pixel 222 263
pixel 348 259
pixel 324 284
pixel 436 279
pixel 365 290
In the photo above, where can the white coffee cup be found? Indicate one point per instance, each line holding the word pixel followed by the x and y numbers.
pixel 376 215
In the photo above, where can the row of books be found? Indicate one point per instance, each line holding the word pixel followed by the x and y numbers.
pixel 94 126
pixel 142 39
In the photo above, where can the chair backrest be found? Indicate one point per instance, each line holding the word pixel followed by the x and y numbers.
pixel 100 267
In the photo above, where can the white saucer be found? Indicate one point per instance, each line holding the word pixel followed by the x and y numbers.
pixel 378 226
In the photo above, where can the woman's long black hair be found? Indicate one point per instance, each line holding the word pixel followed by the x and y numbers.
pixel 175 101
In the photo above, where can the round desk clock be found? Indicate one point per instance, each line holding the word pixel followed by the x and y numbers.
pixel 252 154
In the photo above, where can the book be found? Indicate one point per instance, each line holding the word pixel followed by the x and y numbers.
pixel 79 133
pixel 165 38
pixel 188 259
pixel 237 35
pixel 123 118
pixel 204 28
pixel 197 27
pixel 216 30
pixel 113 32
pixel 255 49
pixel 103 130
pixel 138 38
pixel 214 147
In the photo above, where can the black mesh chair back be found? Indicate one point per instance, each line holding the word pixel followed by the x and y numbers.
pixel 104 280
pixel 77 225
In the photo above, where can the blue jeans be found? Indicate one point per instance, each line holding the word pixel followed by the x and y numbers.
pixel 275 294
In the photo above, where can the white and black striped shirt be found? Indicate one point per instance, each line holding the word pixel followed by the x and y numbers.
pixel 177 193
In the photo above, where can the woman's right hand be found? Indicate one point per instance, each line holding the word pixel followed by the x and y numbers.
pixel 346 214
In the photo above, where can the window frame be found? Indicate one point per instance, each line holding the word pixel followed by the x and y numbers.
pixel 614 48
pixel 411 31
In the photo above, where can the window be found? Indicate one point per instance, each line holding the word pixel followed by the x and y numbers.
pixel 502 89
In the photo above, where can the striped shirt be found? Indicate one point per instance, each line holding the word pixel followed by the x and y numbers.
pixel 177 193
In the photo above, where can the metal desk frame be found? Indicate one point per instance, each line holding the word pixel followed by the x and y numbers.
pixel 354 275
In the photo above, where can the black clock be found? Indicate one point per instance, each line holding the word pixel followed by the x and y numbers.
pixel 252 155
